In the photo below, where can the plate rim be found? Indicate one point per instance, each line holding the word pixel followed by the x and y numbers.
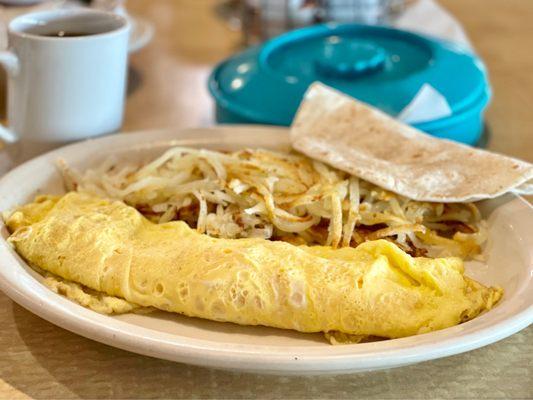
pixel 286 359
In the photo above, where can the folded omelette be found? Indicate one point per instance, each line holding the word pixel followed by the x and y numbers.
pixel 124 261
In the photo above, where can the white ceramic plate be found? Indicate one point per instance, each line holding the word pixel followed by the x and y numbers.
pixel 260 349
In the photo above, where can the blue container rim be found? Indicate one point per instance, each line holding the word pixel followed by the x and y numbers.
pixel 266 48
pixel 252 116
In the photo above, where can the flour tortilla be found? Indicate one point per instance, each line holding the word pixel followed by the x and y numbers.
pixel 354 137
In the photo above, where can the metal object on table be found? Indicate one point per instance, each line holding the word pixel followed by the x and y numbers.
pixel 263 19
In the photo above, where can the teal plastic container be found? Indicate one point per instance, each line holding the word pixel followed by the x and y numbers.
pixel 381 66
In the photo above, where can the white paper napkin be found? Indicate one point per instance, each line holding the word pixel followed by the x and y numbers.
pixel 429 18
pixel 428 104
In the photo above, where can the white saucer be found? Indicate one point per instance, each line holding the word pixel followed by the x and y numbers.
pixel 141 34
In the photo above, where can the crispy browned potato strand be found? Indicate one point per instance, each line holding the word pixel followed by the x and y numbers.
pixel 281 196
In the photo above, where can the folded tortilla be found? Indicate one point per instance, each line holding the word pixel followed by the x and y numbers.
pixel 359 139
pixel 373 290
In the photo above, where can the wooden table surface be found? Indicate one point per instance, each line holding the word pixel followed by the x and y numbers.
pixel 167 89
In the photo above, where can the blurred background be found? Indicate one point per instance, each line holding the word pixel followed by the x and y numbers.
pixel 179 42
pixel 192 36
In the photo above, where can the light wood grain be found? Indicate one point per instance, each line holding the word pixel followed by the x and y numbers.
pixel 40 360
pixel 169 77
pixel 502 33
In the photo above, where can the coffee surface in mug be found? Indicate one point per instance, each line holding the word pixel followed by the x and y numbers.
pixel 64 34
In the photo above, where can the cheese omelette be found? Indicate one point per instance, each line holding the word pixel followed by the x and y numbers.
pixel 109 257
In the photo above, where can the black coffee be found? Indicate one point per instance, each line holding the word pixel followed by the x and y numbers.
pixel 63 34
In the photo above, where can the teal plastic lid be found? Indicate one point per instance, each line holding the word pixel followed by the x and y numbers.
pixel 382 66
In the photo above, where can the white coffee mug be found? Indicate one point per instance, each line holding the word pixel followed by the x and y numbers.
pixel 66 76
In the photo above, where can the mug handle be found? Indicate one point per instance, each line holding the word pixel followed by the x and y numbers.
pixel 10 62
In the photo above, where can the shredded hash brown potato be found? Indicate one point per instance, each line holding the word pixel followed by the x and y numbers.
pixel 281 196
